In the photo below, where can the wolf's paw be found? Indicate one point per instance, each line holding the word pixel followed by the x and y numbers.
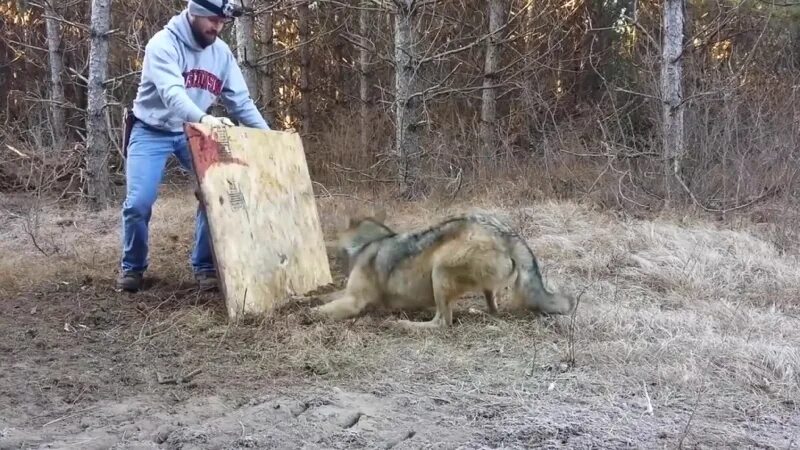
pixel 401 324
pixel 408 325
pixel 312 315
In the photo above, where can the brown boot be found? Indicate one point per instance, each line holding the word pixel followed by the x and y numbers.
pixel 129 281
pixel 207 281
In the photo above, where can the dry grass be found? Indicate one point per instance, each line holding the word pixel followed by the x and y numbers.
pixel 686 333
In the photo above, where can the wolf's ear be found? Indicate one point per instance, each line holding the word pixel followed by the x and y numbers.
pixel 380 214
pixel 354 218
pixel 352 221
pixel 346 216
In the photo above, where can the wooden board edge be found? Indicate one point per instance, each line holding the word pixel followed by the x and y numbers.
pixel 196 132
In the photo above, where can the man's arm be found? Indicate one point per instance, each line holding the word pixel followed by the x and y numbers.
pixel 237 100
pixel 161 66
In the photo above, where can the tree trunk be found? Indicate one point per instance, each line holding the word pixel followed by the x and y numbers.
pixel 672 93
pixel 587 77
pixel 305 65
pixel 246 50
pixel 97 138
pixel 408 106
pixel 57 117
pixel 363 77
pixel 266 97
pixel 491 63
pixel 5 75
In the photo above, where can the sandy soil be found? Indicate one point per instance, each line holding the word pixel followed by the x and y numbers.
pixel 687 337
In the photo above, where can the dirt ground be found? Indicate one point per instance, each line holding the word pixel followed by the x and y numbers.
pixel 686 337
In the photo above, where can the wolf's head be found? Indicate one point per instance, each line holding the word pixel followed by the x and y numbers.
pixel 550 303
pixel 558 303
pixel 359 231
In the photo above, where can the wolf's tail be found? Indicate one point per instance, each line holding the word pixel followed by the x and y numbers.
pixel 529 290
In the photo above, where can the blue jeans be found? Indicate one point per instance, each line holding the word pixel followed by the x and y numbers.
pixel 148 152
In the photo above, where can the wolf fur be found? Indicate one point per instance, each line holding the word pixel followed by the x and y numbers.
pixel 473 252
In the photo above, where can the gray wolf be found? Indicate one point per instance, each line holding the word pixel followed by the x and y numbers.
pixel 186 68
pixel 433 267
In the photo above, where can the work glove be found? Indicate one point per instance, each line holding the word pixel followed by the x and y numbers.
pixel 212 121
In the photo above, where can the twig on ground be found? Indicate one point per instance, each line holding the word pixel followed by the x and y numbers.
pixel 571 336
pixel 689 422
pixel 178 380
pixel 21 155
pixel 647 396
pixel 765 194
pixel 68 416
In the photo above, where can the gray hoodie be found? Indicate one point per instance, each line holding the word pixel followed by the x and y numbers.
pixel 181 80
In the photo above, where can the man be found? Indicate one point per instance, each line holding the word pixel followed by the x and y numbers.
pixel 186 68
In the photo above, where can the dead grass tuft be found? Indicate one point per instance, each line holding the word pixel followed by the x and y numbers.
pixel 74 244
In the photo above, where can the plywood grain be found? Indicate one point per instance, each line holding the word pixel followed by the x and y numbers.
pixel 265 229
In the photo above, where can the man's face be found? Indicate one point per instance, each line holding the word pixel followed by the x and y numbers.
pixel 206 29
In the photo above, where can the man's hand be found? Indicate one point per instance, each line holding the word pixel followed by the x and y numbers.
pixel 212 121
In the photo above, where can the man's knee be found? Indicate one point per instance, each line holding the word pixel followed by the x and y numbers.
pixel 138 207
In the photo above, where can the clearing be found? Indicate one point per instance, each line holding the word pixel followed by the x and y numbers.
pixel 686 337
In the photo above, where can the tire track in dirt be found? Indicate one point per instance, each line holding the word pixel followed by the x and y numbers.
pixel 340 420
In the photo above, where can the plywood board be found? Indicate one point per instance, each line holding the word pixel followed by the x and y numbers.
pixel 265 229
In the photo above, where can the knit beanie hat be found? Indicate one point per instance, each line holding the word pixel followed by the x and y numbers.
pixel 201 8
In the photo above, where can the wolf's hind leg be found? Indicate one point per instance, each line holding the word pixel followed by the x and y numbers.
pixel 443 292
pixel 491 301
pixel 331 296
pixel 344 307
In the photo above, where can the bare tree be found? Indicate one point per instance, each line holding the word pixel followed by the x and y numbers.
pixel 305 64
pixel 408 98
pixel 245 48
pixel 671 90
pixel 56 61
pixel 555 74
pixel 97 137
pixel 266 97
pixel 491 63
pixel 363 73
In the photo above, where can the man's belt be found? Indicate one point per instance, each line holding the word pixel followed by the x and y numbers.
pixel 128 119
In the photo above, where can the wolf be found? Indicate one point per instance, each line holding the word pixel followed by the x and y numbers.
pixel 433 267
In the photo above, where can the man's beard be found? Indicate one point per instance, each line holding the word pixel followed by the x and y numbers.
pixel 202 39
